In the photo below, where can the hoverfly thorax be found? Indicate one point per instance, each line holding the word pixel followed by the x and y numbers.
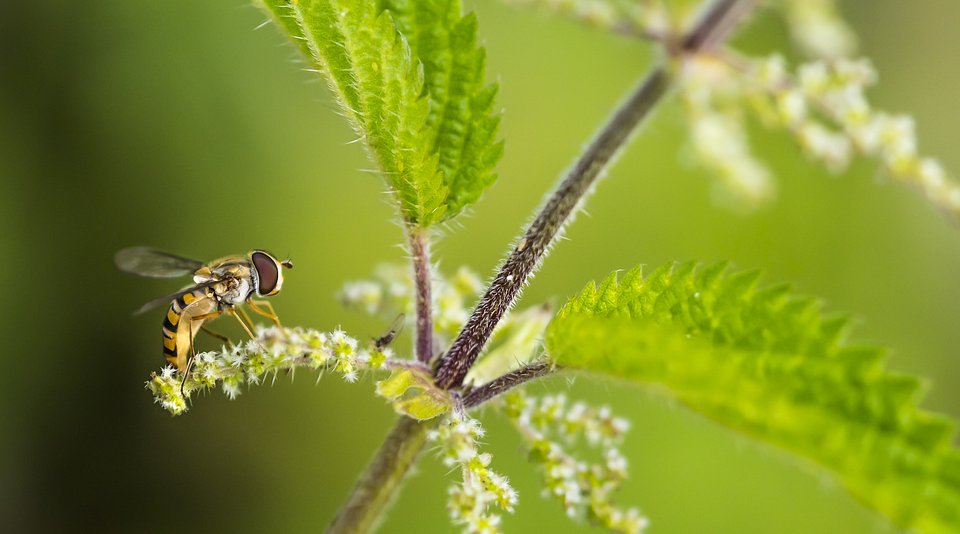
pixel 267 273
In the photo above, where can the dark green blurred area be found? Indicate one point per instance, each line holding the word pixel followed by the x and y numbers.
pixel 175 124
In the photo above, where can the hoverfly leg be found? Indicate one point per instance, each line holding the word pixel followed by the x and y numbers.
pixel 193 351
pixel 189 366
pixel 243 324
pixel 226 341
pixel 247 325
pixel 269 313
pixel 206 316
pixel 186 373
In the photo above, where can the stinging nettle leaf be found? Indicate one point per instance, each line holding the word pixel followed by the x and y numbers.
pixel 771 366
pixel 410 78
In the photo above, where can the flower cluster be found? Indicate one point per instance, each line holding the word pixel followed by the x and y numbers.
pixel 391 293
pixel 274 350
pixel 818 29
pixel 718 134
pixel 584 489
pixel 480 488
pixel 825 107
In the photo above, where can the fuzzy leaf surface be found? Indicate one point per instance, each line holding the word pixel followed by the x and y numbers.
pixel 410 78
pixel 772 366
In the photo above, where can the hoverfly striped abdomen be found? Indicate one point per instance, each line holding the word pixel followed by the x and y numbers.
pixel 178 324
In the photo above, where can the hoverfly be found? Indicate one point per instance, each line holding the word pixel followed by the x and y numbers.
pixel 220 286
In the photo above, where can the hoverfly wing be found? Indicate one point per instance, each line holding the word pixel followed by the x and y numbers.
pixel 153 263
pixel 167 299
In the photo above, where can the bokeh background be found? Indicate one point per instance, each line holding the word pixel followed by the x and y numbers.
pixel 175 124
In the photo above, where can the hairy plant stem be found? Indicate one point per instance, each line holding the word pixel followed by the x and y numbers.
pixel 507 382
pixel 372 495
pixel 719 19
pixel 420 253
pixel 526 256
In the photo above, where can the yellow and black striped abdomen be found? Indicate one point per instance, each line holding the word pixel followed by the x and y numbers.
pixel 172 324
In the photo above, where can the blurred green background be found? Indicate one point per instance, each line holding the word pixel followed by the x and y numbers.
pixel 175 124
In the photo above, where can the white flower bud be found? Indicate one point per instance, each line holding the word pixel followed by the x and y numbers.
pixel 818 29
pixel 792 106
pixel 932 175
pixel 814 78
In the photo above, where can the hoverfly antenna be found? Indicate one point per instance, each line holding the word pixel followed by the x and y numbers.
pixel 287 264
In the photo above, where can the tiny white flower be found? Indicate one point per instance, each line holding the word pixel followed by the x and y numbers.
pixel 793 106
pixel 953 198
pixel 818 28
pixel 814 77
pixel 932 175
pixel 772 71
pixel 231 390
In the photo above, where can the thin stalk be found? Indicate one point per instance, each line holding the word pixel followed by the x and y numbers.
pixel 719 19
pixel 373 493
pixel 420 252
pixel 507 382
pixel 717 24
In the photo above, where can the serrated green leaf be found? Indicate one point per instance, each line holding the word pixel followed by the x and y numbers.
pixel 462 129
pixel 771 366
pixel 410 78
pixel 282 15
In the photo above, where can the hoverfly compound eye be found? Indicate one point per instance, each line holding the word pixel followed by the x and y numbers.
pixel 268 273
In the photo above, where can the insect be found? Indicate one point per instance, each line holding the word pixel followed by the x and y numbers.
pixel 220 286
pixel 387 338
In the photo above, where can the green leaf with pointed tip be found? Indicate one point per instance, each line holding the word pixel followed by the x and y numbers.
pixel 410 78
pixel 772 366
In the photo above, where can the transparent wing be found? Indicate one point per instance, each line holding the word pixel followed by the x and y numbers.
pixel 167 299
pixel 154 263
pixel 395 328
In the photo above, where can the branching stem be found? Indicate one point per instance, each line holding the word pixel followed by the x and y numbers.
pixel 372 494
pixel 420 253
pixel 718 21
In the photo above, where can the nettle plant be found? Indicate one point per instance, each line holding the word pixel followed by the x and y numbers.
pixel 409 76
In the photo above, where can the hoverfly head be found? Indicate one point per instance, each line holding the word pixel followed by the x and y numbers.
pixel 268 275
